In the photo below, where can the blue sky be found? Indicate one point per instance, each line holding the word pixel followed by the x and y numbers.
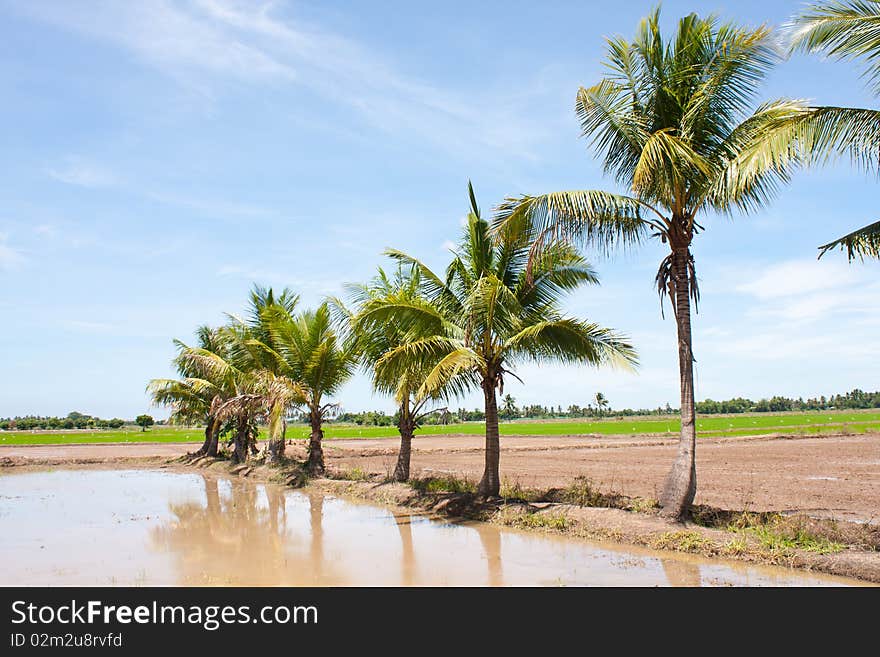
pixel 160 157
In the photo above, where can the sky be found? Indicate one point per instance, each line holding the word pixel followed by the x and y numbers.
pixel 160 157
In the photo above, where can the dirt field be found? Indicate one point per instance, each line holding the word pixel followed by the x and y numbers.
pixel 832 476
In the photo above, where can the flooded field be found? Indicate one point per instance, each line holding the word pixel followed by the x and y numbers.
pixel 141 527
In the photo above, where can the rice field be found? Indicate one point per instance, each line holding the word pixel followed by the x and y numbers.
pixel 734 425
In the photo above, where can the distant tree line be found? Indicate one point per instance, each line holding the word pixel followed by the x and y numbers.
pixel 509 410
pixel 851 400
pixel 73 420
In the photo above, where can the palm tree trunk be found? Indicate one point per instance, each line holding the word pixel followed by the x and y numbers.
pixel 315 462
pixel 212 438
pixel 215 439
pixel 242 438
pixel 209 429
pixel 276 442
pixel 490 484
pixel 405 426
pixel 681 483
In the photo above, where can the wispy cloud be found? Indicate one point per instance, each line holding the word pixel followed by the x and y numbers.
pixel 79 172
pixel 796 277
pixel 213 206
pixel 318 286
pixel 249 42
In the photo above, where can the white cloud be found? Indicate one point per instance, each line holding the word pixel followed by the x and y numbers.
pixel 796 277
pixel 449 245
pixel 248 42
pixel 825 304
pixel 77 171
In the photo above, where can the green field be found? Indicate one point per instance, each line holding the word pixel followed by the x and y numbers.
pixel 732 425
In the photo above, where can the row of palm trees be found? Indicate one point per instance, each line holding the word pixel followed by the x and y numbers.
pixel 677 125
pixel 422 337
pixel 256 369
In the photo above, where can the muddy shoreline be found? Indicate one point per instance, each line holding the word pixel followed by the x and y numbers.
pixel 640 528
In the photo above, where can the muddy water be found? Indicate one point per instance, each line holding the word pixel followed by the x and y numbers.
pixel 137 527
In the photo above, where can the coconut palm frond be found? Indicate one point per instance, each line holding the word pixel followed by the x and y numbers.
pixel 573 341
pixel 843 29
pixel 861 244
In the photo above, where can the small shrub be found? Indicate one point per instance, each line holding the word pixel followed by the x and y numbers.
pixel 582 492
pixel 642 504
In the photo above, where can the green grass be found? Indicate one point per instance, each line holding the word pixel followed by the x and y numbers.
pixel 732 425
pixel 134 435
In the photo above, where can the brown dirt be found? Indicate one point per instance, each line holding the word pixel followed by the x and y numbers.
pixel 836 476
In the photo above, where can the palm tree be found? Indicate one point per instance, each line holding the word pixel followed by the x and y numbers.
pixel 375 340
pixel 196 396
pixel 508 407
pixel 226 374
pixel 267 395
pixel 846 30
pixel 308 351
pixel 601 402
pixel 487 314
pixel 674 123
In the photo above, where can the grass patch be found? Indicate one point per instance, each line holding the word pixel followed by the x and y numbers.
pixel 642 505
pixel 682 541
pixel 513 490
pixel 446 484
pixel 534 520
pixel 782 534
pixel 783 537
pixel 352 474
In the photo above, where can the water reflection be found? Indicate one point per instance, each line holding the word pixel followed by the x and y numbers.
pixel 490 540
pixel 681 573
pixel 408 555
pixel 143 527
pixel 240 535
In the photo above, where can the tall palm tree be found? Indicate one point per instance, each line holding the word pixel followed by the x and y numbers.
pixel 846 30
pixel 377 339
pixel 307 350
pixel 488 313
pixel 674 123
